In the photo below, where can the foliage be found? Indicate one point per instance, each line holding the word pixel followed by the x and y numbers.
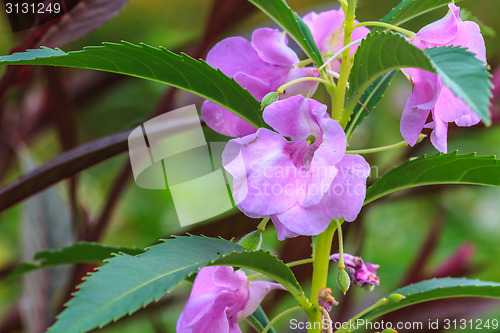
pixel 438 169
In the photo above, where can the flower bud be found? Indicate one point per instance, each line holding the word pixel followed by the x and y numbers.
pixel 395 298
pixel 343 280
pixel 251 241
pixel 325 299
pixel 269 99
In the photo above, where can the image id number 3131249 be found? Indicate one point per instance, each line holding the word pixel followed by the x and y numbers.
pixel 32 7
pixel 472 324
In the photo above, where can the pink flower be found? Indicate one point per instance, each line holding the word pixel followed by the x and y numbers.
pixel 261 66
pixel 361 274
pixel 429 94
pixel 327 29
pixel 301 184
pixel 219 299
pixel 326 300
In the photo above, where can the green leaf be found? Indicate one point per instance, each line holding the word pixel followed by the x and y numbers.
pixel 409 9
pixel 267 264
pixel 459 69
pixel 157 64
pixel 127 283
pixel 449 168
pixel 281 13
pixel 76 253
pixel 369 99
pixel 251 241
pixel 259 320
pixel 437 289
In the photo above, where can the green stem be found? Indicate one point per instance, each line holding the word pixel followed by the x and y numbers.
pixel 362 313
pixel 304 62
pixel 290 264
pixel 321 260
pixel 345 69
pixel 278 317
pixel 281 89
pixel 384 148
pixel 300 262
pixel 262 225
pixel 341 245
pixel 308 61
pixel 385 25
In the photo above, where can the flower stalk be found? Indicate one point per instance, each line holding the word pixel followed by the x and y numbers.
pixel 406 32
pixel 281 89
pixel 321 260
pixel 345 69
pixel 341 245
pixel 262 225
pixel 278 317
pixel 384 148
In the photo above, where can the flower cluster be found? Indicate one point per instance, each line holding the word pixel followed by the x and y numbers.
pixel 327 29
pixel 266 62
pixel 361 274
pixel 298 174
pixel 429 94
pixel 304 183
pixel 260 66
pixel 219 299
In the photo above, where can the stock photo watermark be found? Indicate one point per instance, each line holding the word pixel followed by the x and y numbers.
pixel 26 14
pixel 416 326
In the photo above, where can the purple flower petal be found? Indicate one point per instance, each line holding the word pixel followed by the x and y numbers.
pixel 320 182
pixel 362 274
pixel 426 89
pixel 258 290
pixel 306 221
pixel 221 316
pixel 282 231
pixel 272 47
pixel 210 302
pixel 322 169
pixel 327 29
pixel 260 66
pixel 439 134
pixel 263 173
pixel 220 277
pixel 348 190
pixel 444 30
pixel 295 117
pixel 450 108
pixel 428 94
pixel 470 36
pixel 219 299
pixel 236 54
pixel 224 121
pixel 452 31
